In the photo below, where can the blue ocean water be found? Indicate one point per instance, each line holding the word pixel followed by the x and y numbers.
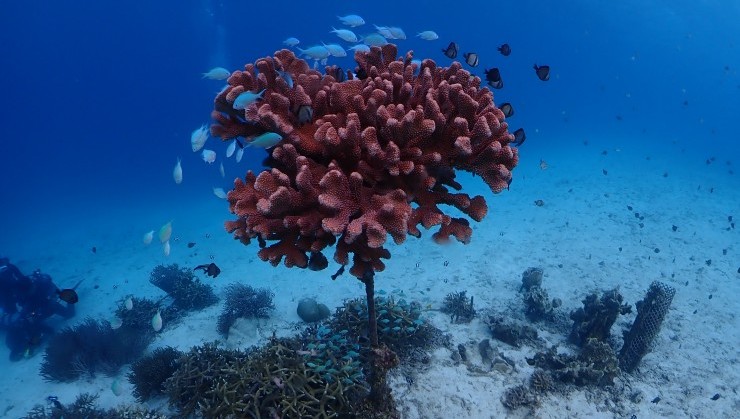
pixel 99 100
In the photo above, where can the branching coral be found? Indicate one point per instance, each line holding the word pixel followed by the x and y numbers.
pixel 459 307
pixel 187 291
pixel 149 374
pixel 243 301
pixel 89 348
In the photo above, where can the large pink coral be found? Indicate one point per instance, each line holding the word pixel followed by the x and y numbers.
pixel 378 156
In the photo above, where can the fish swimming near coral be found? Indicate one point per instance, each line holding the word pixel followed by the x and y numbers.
pixel 375 40
pixel 316 52
pixel 247 98
pixel 291 42
pixel 217 73
pixel 493 77
pixel 266 140
pixel 352 20
pixel 471 59
pixel 219 192
pixel 157 322
pixel 210 270
pixel 317 261
pixel 451 50
pixel 519 137
pixel 230 149
pixel 305 114
pixel 335 50
pixel 198 138
pixel 507 109
pixel 345 34
pixel 209 156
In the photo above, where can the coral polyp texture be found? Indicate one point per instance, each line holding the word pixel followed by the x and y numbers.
pixel 362 156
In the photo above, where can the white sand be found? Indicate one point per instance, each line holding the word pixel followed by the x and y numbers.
pixel 574 237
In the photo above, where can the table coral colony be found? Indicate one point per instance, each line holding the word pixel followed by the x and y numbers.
pixel 362 155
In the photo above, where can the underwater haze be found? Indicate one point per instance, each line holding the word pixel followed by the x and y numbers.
pixel 629 174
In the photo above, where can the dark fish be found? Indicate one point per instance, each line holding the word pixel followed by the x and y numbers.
pixel 210 270
pixel 543 72
pixel 336 274
pixel 361 74
pixel 493 77
pixel 94 249
pixel 239 143
pixel 191 245
pixel 505 50
pixel 304 114
pixel 451 50
pixel 716 396
pixel 519 137
pixel 338 74
pixel 55 401
pixel 317 261
pixel 68 295
pixel 539 202
pixel 507 109
pixel 471 59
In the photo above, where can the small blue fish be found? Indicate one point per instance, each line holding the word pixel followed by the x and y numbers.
pixel 266 140
pixel 352 20
pixel 247 98
pixel 287 77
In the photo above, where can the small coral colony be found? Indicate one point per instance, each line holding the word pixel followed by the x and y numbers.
pixel 351 157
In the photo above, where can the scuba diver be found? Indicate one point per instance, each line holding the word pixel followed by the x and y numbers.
pixel 25 303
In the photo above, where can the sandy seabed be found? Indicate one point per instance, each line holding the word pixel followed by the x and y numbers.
pixel 584 238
